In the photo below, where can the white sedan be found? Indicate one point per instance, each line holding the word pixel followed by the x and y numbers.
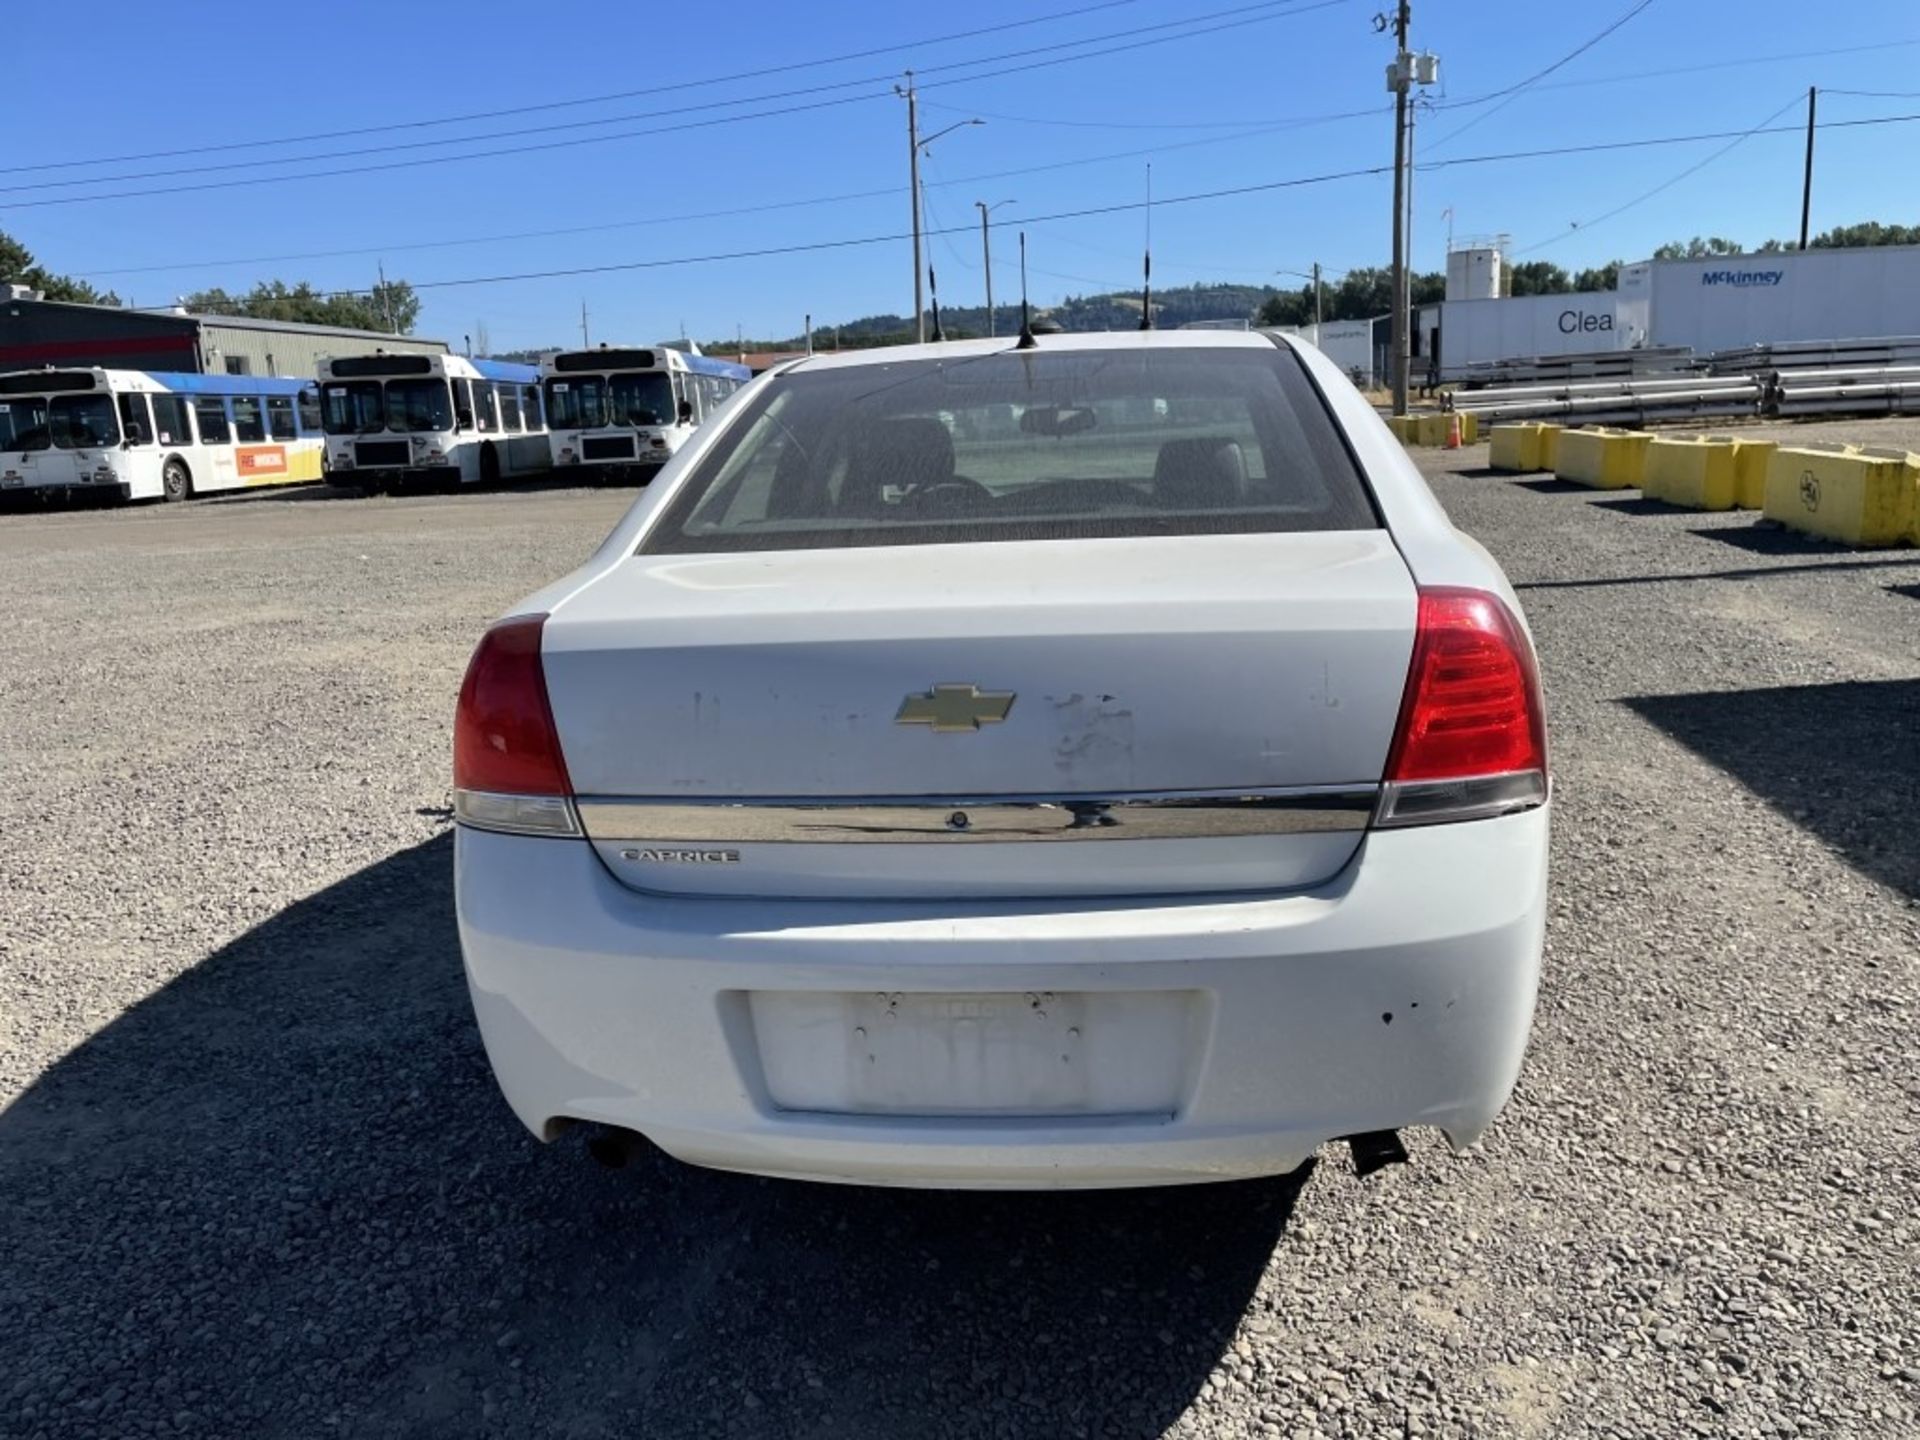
pixel 1093 763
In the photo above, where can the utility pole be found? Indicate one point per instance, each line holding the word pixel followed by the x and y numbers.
pixel 986 262
pixel 1316 302
pixel 913 184
pixel 584 343
pixel 1400 78
pixel 809 333
pixel 1806 188
pixel 386 298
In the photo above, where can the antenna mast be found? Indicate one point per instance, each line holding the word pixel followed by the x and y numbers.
pixel 1027 342
pixel 1146 261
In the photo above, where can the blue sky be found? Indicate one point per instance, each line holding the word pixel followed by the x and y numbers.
pixel 1244 104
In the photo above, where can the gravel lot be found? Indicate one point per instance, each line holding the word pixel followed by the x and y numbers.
pixel 258 1181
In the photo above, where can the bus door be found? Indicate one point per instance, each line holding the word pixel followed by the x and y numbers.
pixel 24 439
pixel 139 465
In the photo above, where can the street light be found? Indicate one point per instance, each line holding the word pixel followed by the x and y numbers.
pixel 1315 277
pixel 986 253
pixel 916 146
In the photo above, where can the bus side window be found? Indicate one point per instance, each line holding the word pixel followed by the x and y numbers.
pixel 530 406
pixel 484 413
pixel 280 418
pixel 170 424
pixel 509 398
pixel 249 426
pixel 211 412
pixel 310 412
pixel 136 427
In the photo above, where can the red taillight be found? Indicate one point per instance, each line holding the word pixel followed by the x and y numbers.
pixel 504 742
pixel 1471 711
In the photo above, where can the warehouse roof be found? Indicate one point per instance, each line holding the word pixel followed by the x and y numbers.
pixel 234 322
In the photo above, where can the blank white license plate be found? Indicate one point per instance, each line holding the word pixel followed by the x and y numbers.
pixel 1000 1054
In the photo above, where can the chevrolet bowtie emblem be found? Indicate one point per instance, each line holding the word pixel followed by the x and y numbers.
pixel 950 708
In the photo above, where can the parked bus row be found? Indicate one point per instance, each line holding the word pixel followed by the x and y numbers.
pixel 379 421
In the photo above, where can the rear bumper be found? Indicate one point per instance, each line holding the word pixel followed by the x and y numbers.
pixel 1398 994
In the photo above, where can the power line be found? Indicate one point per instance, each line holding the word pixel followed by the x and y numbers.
pixel 1119 207
pixel 580 101
pixel 669 112
pixel 1268 10
pixel 847 196
pixel 1506 97
pixel 1584 225
pixel 1267 125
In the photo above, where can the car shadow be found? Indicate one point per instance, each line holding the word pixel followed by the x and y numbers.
pixel 1839 760
pixel 1748 572
pixel 281 1196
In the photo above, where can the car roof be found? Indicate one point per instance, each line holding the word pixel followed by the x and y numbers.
pixel 1121 340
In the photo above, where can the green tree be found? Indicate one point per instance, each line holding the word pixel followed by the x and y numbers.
pixel 391 307
pixel 1602 277
pixel 18 267
pixel 1539 277
pixel 1699 248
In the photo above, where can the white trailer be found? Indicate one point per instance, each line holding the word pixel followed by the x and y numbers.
pixel 1474 332
pixel 1726 301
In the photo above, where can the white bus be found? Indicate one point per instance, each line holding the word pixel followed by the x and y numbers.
pixel 629 410
pixel 141 435
pixel 391 419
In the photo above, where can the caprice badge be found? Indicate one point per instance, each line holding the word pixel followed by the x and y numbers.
pixel 682 857
pixel 948 709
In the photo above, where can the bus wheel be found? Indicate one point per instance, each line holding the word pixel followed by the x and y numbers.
pixel 489 465
pixel 175 481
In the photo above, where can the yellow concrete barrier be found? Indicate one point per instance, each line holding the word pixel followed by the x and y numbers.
pixel 1604 459
pixel 1858 497
pixel 1750 459
pixel 1550 444
pixel 1694 471
pixel 1431 428
pixel 1516 448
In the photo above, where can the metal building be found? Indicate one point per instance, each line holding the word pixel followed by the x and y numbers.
pixel 36 332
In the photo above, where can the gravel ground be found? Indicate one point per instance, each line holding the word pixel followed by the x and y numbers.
pixel 258 1182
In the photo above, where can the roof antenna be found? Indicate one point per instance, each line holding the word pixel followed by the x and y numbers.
pixel 1146 261
pixel 933 290
pixel 1027 342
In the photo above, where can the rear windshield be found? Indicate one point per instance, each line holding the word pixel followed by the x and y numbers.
pixel 1022 445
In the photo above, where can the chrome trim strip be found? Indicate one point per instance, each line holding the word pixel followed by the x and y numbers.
pixel 979 819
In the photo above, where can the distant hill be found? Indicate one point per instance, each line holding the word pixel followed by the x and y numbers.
pixel 1115 310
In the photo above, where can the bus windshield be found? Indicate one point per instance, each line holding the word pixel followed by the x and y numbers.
pixel 419 405
pixel 23 423
pixel 577 403
pixel 353 407
pixel 640 398
pixel 83 422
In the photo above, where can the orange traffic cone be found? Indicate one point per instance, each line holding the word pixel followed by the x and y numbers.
pixel 1453 430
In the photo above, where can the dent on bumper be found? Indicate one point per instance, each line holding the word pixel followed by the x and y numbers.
pixel 1398 994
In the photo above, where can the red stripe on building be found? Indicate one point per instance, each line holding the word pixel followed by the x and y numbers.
pixel 80 349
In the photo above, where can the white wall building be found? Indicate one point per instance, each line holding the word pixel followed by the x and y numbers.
pixel 1350 344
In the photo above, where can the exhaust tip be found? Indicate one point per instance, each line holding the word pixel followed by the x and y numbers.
pixel 614 1148
pixel 1375 1150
